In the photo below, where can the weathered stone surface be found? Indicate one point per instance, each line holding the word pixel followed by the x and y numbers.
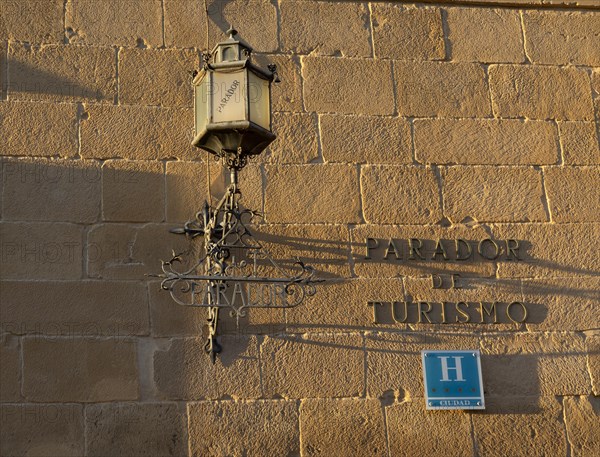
pixel 441 89
pixel 541 92
pixel 573 193
pixel 534 364
pixel 42 430
pixel 131 132
pixel 486 142
pixel 485 35
pixel 10 359
pixel 592 346
pixel 562 37
pixel 79 370
pixel 287 94
pixel 123 251
pixel 22 124
pixel 394 360
pixel 342 427
pixel 486 304
pixel 257 21
pixel 251 182
pixel 324 247
pixel 40 250
pixel 331 189
pixel 343 139
pixel 582 418
pixel 550 250
pixel 116 23
pixel 407 33
pixel 511 425
pixel 170 72
pixel 129 429
pixel 3 70
pixel 62 73
pixel 432 436
pixel 90 308
pixel 547 2
pixel 297 138
pixel 579 143
pixel 51 190
pixel 186 187
pixel 172 319
pixel 346 86
pixel 125 195
pixel 183 370
pixel 185 24
pixel 566 304
pixel 400 195
pixel 378 266
pixel 345 306
pixel 314 28
pixel 491 194
pixel 596 94
pixel 335 361
pixel 244 428
pixel 20 21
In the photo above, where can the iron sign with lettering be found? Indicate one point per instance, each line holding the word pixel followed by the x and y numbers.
pixel 453 379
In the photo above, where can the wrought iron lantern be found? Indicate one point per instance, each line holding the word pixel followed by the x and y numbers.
pixel 233 122
pixel 232 102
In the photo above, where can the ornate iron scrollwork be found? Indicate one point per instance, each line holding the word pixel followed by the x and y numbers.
pixel 231 272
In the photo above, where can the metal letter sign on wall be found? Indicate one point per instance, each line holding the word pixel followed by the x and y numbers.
pixel 453 379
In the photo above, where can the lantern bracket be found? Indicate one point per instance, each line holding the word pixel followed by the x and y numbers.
pixel 233 271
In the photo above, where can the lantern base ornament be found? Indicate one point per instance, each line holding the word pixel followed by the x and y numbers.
pixel 237 141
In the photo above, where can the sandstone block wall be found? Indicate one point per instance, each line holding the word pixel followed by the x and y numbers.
pixel 439 120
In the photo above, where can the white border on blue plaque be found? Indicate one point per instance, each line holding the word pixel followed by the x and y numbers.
pixel 453 379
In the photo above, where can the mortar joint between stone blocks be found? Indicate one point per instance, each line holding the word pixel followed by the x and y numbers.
pixel 361 207
pixel 301 60
pixel 22 368
pixel 395 113
pixel 524 37
pixel 371 30
pixel 319 158
pixel 446 35
pixel 438 172
pixel 411 123
pixel 85 429
pixel 117 98
pixel 559 140
pixel 278 24
pixel 486 72
pixel 351 262
pixel 545 197
pixel 162 23
pixel 64 21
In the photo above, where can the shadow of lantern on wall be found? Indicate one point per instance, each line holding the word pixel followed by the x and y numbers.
pixel 232 109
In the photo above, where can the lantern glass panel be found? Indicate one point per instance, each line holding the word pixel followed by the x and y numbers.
pixel 259 98
pixel 228 96
pixel 201 103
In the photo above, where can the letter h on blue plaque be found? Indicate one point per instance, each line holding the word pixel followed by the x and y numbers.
pixel 453 379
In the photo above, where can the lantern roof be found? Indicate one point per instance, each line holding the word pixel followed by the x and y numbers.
pixel 233 53
pixel 232 49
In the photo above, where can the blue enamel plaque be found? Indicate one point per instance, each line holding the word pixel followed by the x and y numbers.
pixel 453 379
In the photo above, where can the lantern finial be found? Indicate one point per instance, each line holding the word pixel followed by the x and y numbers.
pixel 232 32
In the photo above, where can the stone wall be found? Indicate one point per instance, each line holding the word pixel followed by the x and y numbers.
pixel 466 120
